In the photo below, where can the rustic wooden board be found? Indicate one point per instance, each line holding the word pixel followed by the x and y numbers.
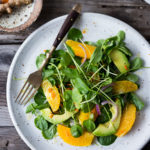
pixel 134 12
pixel 10 140
pixel 4 117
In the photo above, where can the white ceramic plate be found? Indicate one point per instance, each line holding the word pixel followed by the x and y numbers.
pixel 97 26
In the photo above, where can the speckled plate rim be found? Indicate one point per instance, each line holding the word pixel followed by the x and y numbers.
pixel 20 50
pixel 34 15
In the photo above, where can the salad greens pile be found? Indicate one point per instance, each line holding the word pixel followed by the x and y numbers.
pixel 85 84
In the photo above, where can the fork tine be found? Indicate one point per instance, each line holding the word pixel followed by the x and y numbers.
pixel 31 96
pixel 27 94
pixel 21 90
pixel 24 92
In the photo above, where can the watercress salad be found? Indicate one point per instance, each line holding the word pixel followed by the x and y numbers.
pixel 88 90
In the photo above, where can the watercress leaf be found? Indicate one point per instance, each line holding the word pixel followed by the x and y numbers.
pixel 42 106
pixel 100 42
pixel 106 140
pixel 76 131
pixel 74 34
pixel 41 123
pixel 109 44
pixel 87 107
pixel 40 90
pixel 68 103
pixel 39 60
pixel 71 73
pixel 70 50
pixel 105 115
pixel 136 100
pixel 39 98
pixel 51 80
pixel 136 63
pixel 97 55
pixel 125 50
pixel 120 37
pixel 68 94
pixel 89 125
pixel 132 77
pixel 49 133
pixel 31 108
pixel 47 73
pixel 65 59
pixel 80 85
pixel 77 97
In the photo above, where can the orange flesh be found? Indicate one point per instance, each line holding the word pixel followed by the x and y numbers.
pixel 52 95
pixel 127 120
pixel 65 133
pixel 76 47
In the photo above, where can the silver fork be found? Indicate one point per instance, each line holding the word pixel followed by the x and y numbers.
pixel 34 80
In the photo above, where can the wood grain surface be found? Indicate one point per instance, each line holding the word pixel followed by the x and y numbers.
pixel 134 12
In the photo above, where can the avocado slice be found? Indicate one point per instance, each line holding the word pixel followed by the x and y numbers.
pixel 120 60
pixel 56 118
pixel 109 127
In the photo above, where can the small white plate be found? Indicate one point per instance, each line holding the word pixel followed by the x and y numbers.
pixel 97 26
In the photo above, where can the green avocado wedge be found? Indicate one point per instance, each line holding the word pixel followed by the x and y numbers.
pixel 56 118
pixel 120 60
pixel 109 127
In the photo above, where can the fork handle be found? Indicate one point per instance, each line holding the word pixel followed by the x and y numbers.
pixel 64 29
pixel 67 24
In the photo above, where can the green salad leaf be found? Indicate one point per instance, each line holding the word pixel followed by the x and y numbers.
pixel 136 63
pixel 125 50
pixel 39 98
pixel 71 73
pixel 31 108
pixel 74 34
pixel 39 60
pixel 47 73
pixel 68 103
pixel 50 132
pixel 89 125
pixel 136 100
pixel 41 123
pixel 76 97
pixel 76 130
pixel 80 85
pixel 105 115
pixel 132 77
pixel 120 37
pixel 96 56
pixel 106 140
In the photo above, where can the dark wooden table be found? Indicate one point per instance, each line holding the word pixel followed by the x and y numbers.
pixel 134 12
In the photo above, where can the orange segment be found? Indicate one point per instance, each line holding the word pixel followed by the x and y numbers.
pixel 127 120
pixel 121 87
pixel 65 133
pixel 52 95
pixel 79 51
pixel 85 116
